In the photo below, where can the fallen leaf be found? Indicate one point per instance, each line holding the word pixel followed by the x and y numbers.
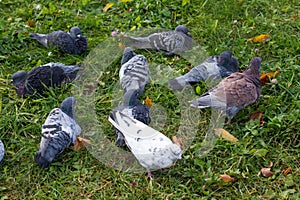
pixel 260 38
pixel 226 178
pixel 225 135
pixel 257 115
pixel 30 23
pixel 148 102
pixel 125 1
pixel 198 90
pixel 121 46
pixel 80 143
pixel 286 171
pixel 178 141
pixel 266 171
pixel 266 77
pixel 108 6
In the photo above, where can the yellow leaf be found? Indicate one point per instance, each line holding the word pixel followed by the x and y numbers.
pixel 125 1
pixel 225 135
pixel 226 178
pixel 148 102
pixel 121 46
pixel 108 6
pixel 260 38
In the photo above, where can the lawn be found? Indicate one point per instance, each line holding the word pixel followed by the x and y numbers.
pixel 93 173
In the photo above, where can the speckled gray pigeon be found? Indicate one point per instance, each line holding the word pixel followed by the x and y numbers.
pixel 234 92
pixel 134 72
pixel 2 151
pixel 213 68
pixel 58 132
pixel 152 149
pixel 48 75
pixel 132 107
pixel 71 43
pixel 171 42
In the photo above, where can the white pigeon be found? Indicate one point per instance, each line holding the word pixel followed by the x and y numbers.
pixel 151 148
pixel 58 132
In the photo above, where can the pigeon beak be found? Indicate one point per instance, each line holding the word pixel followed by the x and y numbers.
pixel 79 36
pixel 11 81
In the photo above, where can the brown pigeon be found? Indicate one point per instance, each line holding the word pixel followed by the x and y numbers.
pixel 234 92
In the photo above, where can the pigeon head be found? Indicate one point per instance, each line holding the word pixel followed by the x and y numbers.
pixel 130 98
pixel 18 80
pixel 227 61
pixel 254 67
pixel 128 53
pixel 75 32
pixel 67 106
pixel 183 29
pixel 175 149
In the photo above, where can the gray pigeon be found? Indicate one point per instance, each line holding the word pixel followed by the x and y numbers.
pixel 234 92
pixel 58 132
pixel 71 43
pixel 48 75
pixel 2 151
pixel 132 107
pixel 151 148
pixel 171 42
pixel 213 68
pixel 134 72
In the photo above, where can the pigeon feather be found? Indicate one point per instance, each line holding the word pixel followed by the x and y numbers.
pixel 2 151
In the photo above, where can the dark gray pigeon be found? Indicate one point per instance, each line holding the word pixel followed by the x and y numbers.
pixel 171 42
pixel 58 132
pixel 134 72
pixel 48 75
pixel 71 43
pixel 213 68
pixel 151 148
pixel 2 151
pixel 234 92
pixel 132 107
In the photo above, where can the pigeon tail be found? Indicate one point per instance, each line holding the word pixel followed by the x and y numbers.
pixel 178 83
pixel 41 38
pixel 139 42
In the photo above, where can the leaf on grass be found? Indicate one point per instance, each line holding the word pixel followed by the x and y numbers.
pixel 286 171
pixel 125 1
pixel 266 171
pixel 30 23
pixel 121 46
pixel 225 135
pixel 108 6
pixel 184 2
pixel 260 38
pixel 257 115
pixel 178 141
pixel 198 90
pixel 266 77
pixel 226 178
pixel 148 102
pixel 80 143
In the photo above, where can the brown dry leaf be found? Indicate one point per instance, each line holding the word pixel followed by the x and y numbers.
pixel 108 6
pixel 286 171
pixel 266 171
pixel 257 115
pixel 30 23
pixel 226 178
pixel 148 102
pixel 225 135
pixel 260 38
pixel 80 143
pixel 178 141
pixel 266 77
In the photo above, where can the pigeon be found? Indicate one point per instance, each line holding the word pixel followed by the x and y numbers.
pixel 71 43
pixel 234 92
pixel 213 68
pixel 151 148
pixel 170 42
pixel 134 72
pixel 48 75
pixel 58 132
pixel 1 151
pixel 132 107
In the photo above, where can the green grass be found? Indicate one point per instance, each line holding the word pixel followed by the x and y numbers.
pixel 79 175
